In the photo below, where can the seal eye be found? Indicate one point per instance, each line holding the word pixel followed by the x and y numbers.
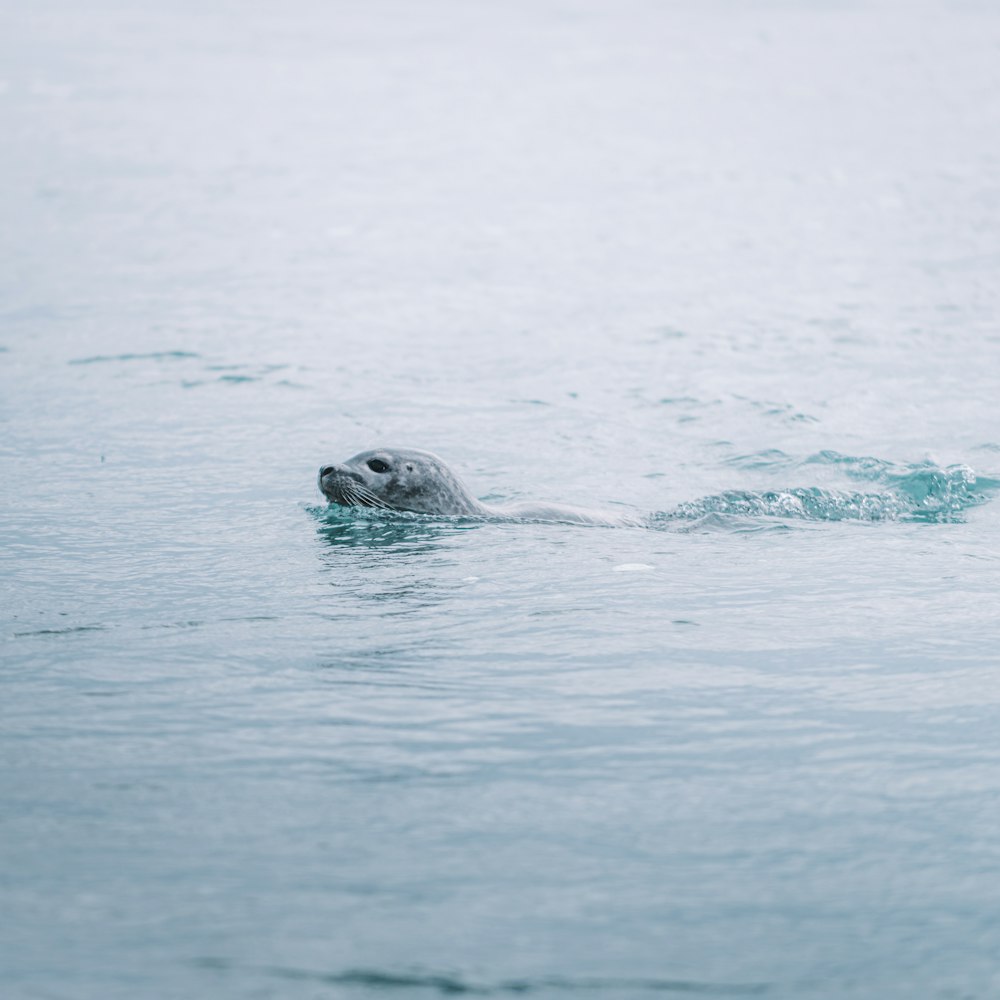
pixel 377 465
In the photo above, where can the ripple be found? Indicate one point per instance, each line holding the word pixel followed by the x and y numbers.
pixel 769 458
pixel 152 356
pixel 455 985
pixel 69 630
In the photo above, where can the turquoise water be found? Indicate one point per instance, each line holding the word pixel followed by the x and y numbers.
pixel 728 267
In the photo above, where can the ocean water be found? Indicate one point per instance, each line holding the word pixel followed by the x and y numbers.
pixel 733 268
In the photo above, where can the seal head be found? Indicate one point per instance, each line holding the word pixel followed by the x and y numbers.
pixel 398 479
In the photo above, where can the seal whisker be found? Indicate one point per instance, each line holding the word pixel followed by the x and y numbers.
pixel 346 495
pixel 369 499
pixel 363 497
pixel 350 494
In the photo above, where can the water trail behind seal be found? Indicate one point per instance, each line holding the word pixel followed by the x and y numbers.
pixel 921 492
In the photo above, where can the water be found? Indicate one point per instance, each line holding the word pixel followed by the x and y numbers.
pixel 729 266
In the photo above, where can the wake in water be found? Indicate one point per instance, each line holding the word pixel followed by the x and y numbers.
pixel 391 483
pixel 921 492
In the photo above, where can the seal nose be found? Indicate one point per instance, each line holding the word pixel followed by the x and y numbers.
pixel 325 471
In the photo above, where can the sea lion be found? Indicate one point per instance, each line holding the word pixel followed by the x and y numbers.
pixel 419 482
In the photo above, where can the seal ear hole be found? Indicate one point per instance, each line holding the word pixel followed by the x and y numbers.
pixel 409 467
pixel 377 465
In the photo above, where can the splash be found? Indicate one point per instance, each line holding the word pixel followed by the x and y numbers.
pixel 921 492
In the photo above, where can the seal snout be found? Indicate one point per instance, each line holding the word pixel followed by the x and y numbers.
pixel 340 484
pixel 340 472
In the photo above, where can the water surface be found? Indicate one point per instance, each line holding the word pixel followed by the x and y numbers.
pixel 729 265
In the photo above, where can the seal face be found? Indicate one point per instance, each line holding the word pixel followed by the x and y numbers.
pixel 398 479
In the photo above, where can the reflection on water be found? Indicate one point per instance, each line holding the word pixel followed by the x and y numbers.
pixel 400 530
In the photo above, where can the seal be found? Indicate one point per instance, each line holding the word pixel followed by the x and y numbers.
pixel 406 479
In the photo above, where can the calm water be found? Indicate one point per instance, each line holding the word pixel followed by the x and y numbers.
pixel 652 257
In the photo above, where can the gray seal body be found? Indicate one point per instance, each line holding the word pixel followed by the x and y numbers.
pixel 417 481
